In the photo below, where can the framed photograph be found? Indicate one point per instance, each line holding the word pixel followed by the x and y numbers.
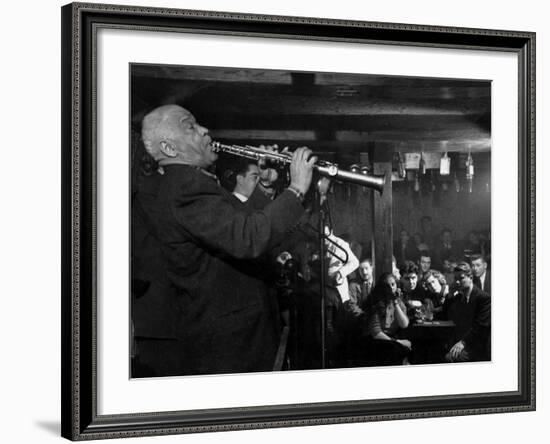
pixel 278 221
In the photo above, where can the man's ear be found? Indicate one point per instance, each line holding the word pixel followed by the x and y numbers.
pixel 168 149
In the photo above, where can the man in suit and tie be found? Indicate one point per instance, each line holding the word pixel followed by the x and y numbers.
pixel 470 309
pixel 247 176
pixel 354 314
pixel 242 178
pixel 360 288
pixel 482 276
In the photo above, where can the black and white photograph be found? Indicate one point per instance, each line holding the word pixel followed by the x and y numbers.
pixel 297 221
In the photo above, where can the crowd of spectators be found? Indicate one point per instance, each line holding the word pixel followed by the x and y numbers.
pixel 446 294
pixel 436 282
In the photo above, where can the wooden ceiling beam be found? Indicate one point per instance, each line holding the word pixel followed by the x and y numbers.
pixel 211 74
pixel 226 75
pixel 280 106
pixel 372 123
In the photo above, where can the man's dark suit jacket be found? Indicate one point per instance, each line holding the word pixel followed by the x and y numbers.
pixel 477 282
pixel 208 296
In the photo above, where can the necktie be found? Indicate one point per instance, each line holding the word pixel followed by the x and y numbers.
pixel 365 290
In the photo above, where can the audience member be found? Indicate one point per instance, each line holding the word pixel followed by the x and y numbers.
pixel 386 320
pixel 425 264
pixel 437 291
pixel 445 249
pixel 360 288
pixel 448 270
pixel 404 249
pixel 419 243
pixel 409 282
pixel 470 309
pixel 427 232
pixel 472 245
pixel 482 276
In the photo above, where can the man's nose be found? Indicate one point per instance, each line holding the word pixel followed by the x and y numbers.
pixel 203 130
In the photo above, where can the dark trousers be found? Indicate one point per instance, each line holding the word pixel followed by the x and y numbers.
pixel 382 352
pixel 159 357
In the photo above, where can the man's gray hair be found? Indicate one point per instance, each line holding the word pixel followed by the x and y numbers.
pixel 153 131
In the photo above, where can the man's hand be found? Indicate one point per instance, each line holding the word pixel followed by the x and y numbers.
pixel 301 169
pixel 456 350
pixel 268 176
pixel 405 343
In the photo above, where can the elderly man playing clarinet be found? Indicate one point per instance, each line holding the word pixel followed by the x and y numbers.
pixel 207 310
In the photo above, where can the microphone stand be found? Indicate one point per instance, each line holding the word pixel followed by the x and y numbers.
pixel 324 217
pixel 322 199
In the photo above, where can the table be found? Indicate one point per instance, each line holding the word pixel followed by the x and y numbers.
pixel 429 340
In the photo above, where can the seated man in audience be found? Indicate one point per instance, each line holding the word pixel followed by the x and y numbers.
pixel 448 270
pixel 360 288
pixel 470 309
pixel 427 231
pixel 482 276
pixel 425 264
pixel 404 249
pixel 409 282
pixel 472 244
pixel 411 290
pixel 445 249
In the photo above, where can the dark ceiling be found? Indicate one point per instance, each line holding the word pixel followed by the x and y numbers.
pixel 329 112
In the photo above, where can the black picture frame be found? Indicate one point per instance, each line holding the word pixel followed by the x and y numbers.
pixel 79 211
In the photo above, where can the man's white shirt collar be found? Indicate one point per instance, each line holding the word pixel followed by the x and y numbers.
pixel 240 196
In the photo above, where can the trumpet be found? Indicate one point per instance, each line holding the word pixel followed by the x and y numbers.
pixel 324 168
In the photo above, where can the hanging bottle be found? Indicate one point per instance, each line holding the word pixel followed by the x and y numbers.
pixel 422 164
pixel 445 165
pixel 470 171
pixel 417 182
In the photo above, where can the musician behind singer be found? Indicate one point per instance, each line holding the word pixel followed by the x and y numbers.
pixel 204 312
pixel 242 177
